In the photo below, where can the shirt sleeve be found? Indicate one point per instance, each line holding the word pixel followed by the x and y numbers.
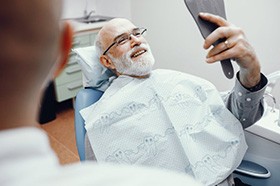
pixel 247 104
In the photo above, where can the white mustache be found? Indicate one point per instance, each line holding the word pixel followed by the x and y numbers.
pixel 142 46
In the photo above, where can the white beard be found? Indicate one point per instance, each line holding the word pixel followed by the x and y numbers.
pixel 141 67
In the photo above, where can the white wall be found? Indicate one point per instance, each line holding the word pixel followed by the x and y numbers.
pixel 262 25
pixel 114 8
pixel 177 43
pixel 75 8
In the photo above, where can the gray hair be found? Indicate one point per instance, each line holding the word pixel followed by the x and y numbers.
pixel 98 45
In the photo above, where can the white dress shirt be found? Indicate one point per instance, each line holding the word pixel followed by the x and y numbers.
pixel 26 158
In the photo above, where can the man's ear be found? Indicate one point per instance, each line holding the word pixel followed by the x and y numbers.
pixel 65 47
pixel 107 62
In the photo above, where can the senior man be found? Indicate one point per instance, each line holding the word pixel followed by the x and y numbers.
pixel 170 119
pixel 34 46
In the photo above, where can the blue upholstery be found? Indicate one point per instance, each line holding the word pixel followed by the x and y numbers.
pixel 84 98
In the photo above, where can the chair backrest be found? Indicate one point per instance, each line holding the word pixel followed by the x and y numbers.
pixel 84 98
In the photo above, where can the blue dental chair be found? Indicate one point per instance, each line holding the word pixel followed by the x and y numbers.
pixel 94 75
pixel 84 98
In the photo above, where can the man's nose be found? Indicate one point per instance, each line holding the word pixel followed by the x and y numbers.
pixel 134 40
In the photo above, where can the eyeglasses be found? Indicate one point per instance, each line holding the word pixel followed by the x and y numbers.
pixel 125 37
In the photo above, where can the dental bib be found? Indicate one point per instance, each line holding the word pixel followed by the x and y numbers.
pixel 170 120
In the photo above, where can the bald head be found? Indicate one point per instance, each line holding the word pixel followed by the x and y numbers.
pixel 29 33
pixel 31 40
pixel 112 29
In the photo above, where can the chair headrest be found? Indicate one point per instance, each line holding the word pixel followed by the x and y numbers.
pixel 94 73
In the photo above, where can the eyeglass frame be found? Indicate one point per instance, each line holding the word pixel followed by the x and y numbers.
pixel 125 34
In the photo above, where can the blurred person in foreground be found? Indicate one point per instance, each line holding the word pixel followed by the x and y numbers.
pixel 34 48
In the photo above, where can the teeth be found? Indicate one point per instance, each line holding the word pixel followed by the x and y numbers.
pixel 139 53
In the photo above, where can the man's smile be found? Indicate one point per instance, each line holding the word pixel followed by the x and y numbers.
pixel 138 53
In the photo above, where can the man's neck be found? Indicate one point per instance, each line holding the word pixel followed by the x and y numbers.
pixel 17 113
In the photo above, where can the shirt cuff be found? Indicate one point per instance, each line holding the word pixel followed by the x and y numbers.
pixel 248 97
pixel 258 86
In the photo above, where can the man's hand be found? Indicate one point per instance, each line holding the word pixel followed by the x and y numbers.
pixel 235 47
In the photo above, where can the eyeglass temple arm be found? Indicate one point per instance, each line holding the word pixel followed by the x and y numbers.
pixel 109 48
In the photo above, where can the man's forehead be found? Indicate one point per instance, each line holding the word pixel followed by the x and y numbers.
pixel 117 27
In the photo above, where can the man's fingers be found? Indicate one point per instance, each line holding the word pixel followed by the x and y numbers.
pixel 229 43
pixel 217 49
pixel 214 19
pixel 219 33
pixel 227 54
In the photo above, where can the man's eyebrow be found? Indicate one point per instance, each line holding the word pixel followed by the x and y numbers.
pixel 123 34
